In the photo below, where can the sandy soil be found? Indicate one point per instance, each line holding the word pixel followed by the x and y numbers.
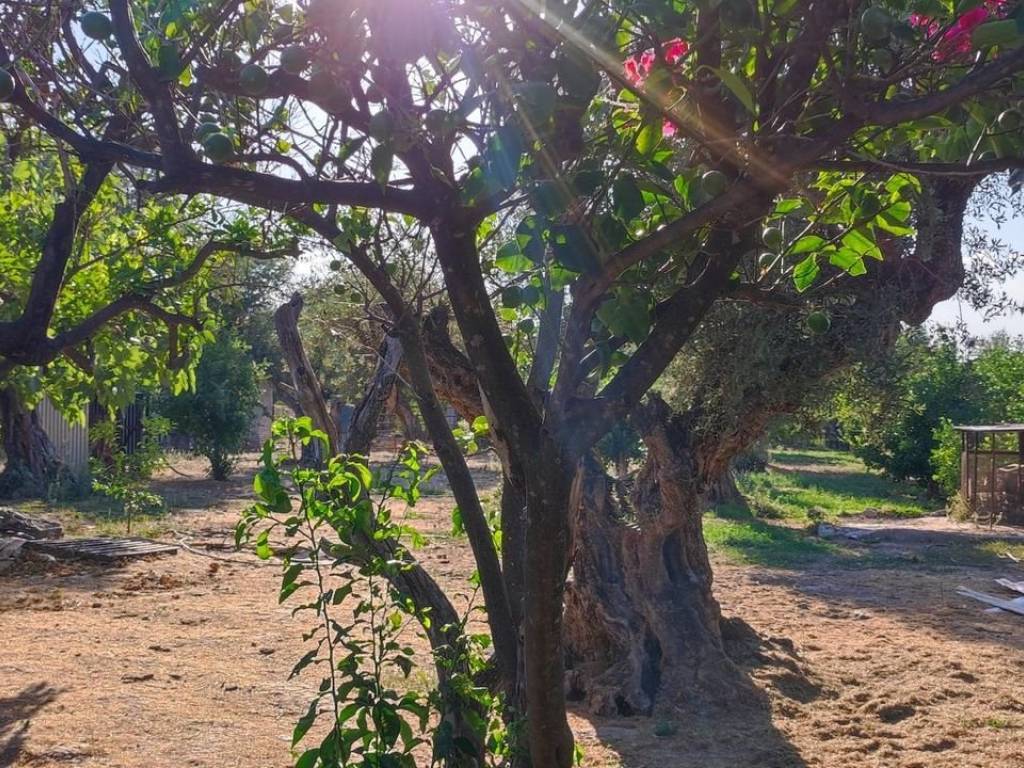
pixel 183 661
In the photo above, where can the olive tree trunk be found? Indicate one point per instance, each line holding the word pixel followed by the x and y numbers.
pixel 641 624
pixel 32 460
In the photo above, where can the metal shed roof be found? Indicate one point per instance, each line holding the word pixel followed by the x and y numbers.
pixel 989 427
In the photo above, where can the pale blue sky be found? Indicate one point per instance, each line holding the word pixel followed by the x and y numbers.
pixel 950 312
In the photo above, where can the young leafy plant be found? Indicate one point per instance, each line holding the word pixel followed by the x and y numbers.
pixel 334 530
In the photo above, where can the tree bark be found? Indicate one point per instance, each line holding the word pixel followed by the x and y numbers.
pixel 723 490
pixel 642 626
pixel 304 380
pixel 32 460
pixel 410 424
pixel 379 390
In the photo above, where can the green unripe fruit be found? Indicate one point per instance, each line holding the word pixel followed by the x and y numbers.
pixel 381 127
pixel 294 59
pixel 6 85
pixel 438 122
pixel 335 265
pixel 218 147
pixel 818 322
pixel 531 295
pixel 526 325
pixel 772 238
pixel 339 290
pixel 1009 120
pixel 254 79
pixel 206 129
pixel 995 33
pixel 876 24
pixel 168 62
pixel 229 60
pixel 512 297
pixel 714 183
pixel 883 59
pixel 736 14
pixel 96 25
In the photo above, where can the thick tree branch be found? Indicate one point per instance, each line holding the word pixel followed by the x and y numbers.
pixel 154 90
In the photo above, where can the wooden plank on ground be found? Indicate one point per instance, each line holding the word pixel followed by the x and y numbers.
pixel 1007 605
pixel 1013 586
pixel 105 550
pixel 14 523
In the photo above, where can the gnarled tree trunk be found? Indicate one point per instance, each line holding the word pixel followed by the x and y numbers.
pixel 304 379
pixel 32 460
pixel 379 391
pixel 642 626
pixel 723 490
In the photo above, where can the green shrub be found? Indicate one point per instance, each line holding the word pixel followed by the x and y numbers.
pixel 123 476
pixel 219 413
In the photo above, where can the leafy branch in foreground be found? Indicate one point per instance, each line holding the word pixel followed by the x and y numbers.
pixel 331 527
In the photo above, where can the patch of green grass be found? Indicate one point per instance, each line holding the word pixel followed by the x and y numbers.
pixel 815 457
pixel 1001 549
pixel 735 533
pixel 833 484
pixel 96 515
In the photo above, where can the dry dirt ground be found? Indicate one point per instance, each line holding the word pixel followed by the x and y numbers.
pixel 183 661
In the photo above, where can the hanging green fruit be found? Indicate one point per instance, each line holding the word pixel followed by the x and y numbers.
pixel 219 147
pixel 818 322
pixel 254 79
pixel 294 59
pixel 96 25
pixel 7 85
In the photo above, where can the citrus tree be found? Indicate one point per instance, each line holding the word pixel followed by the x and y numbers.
pixel 630 178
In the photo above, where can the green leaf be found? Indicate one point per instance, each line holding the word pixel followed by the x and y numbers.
pixel 627 314
pixel 648 138
pixel 304 662
pixel 535 101
pixel 511 259
pixel 738 87
pixel 263 551
pixel 571 248
pixel 790 205
pixel 381 161
pixel 849 261
pixel 627 198
pixel 806 272
pixel 808 244
pixel 858 241
pixel 305 722
pixel 308 758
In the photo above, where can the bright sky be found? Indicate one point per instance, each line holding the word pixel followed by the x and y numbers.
pixel 950 312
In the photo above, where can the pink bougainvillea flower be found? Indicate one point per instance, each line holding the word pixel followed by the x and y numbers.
pixel 674 50
pixel 633 74
pixel 930 27
pixel 638 67
pixel 956 41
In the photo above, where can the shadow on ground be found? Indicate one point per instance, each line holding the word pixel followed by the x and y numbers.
pixel 737 732
pixel 16 713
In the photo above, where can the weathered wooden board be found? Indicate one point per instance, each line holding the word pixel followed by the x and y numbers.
pixel 1013 606
pixel 14 523
pixel 104 550
pixel 1013 586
